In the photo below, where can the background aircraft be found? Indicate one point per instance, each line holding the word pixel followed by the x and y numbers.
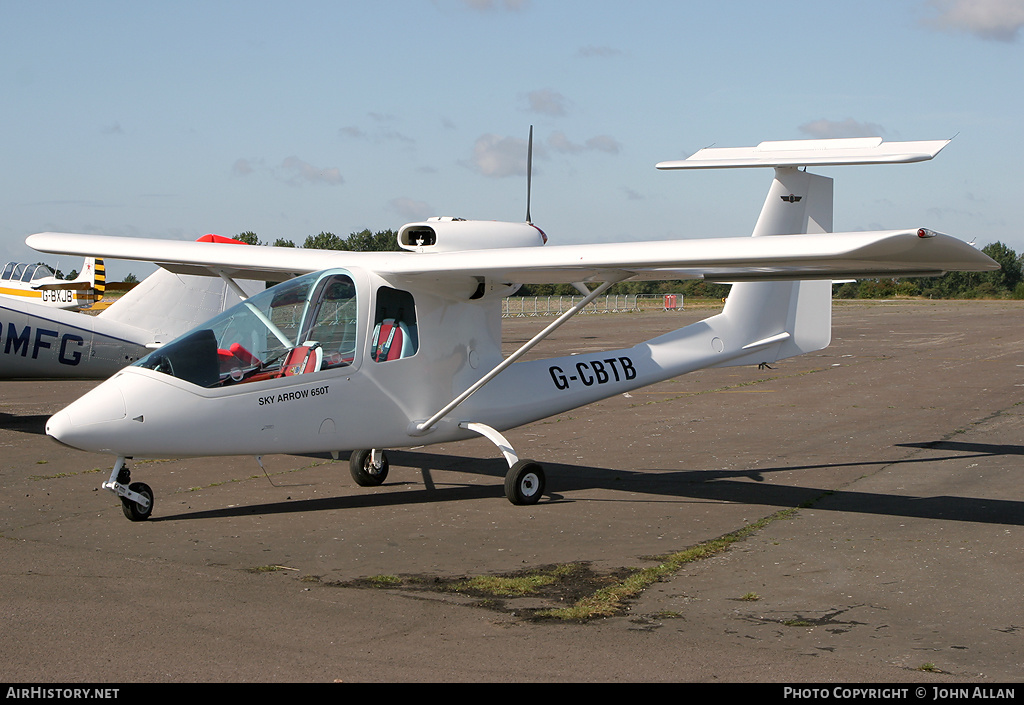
pixel 36 283
pixel 39 341
pixel 383 350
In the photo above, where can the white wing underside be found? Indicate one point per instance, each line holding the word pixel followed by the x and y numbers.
pixel 824 256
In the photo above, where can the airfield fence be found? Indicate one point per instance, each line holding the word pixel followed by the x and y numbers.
pixel 522 306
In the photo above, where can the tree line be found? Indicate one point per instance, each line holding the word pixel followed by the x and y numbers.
pixel 362 241
pixel 1005 283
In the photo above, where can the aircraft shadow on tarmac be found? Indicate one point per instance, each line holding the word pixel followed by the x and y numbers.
pixel 659 485
pixel 24 424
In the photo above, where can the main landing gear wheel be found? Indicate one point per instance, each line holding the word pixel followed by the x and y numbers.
pixel 524 482
pixel 133 510
pixel 364 471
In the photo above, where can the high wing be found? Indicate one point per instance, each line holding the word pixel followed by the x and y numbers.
pixel 835 255
pixel 892 253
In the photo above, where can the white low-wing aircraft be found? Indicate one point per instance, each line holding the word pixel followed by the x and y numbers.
pixel 366 351
pixel 42 342
pixel 37 284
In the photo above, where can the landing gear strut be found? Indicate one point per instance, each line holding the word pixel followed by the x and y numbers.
pixel 136 497
pixel 524 481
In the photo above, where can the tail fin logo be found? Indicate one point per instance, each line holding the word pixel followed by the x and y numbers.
pixel 791 198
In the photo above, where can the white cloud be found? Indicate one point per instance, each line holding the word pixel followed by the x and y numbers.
pixel 491 5
pixel 378 136
pixel 547 102
pixel 1000 20
pixel 353 132
pixel 242 167
pixel 292 171
pixel 499 156
pixel 297 172
pixel 602 143
pixel 826 129
pixel 410 209
pixel 560 143
pixel 598 51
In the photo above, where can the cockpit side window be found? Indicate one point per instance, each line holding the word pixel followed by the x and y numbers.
pixel 330 321
pixel 41 272
pixel 395 335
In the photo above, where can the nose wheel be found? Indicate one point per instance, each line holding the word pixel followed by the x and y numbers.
pixel 369 468
pixel 136 497
pixel 138 511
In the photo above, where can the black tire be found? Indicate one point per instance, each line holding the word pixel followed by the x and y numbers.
pixel 524 483
pixel 360 464
pixel 133 510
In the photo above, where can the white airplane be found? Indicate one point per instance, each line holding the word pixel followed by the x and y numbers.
pixel 366 351
pixel 36 283
pixel 42 342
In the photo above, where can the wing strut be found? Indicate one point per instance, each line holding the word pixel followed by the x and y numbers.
pixel 232 284
pixel 425 426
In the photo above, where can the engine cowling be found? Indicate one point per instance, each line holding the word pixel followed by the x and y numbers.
pixel 448 234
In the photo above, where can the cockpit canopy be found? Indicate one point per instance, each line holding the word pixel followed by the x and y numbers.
pixel 306 324
pixel 23 272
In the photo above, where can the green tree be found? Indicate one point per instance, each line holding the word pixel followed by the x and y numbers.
pixel 1009 275
pixel 324 241
pixel 248 237
pixel 366 241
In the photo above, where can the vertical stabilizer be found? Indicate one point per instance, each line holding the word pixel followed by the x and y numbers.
pixel 99 277
pixel 94 274
pixel 797 202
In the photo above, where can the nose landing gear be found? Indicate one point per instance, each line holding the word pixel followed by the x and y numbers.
pixel 369 468
pixel 136 497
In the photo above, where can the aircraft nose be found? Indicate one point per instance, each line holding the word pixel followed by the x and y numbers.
pixel 82 422
pixel 58 426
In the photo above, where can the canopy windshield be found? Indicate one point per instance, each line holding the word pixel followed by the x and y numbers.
pixel 304 325
pixel 20 271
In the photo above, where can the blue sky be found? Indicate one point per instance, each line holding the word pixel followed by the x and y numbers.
pixel 175 119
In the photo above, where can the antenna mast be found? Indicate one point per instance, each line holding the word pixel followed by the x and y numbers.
pixel 529 174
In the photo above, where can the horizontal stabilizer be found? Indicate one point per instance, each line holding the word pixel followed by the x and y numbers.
pixel 795 153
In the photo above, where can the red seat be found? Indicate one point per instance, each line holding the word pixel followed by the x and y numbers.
pixel 303 359
pixel 389 341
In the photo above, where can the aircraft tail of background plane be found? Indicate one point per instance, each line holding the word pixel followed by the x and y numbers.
pixel 38 341
pixel 94 275
pixel 169 304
